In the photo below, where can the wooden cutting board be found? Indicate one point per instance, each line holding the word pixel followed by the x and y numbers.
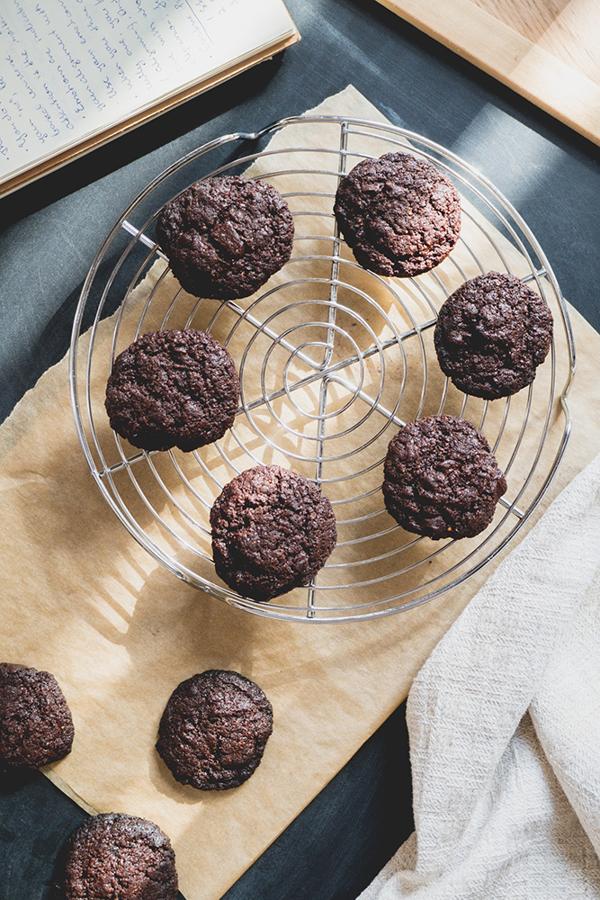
pixel 546 50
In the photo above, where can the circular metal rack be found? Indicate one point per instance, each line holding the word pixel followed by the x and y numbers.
pixel 332 360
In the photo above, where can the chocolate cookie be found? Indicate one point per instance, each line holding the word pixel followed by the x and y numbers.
pixel 272 530
pixel 399 214
pixel 226 236
pixel 119 857
pixel 214 730
pixel 173 389
pixel 492 334
pixel 36 727
pixel 441 478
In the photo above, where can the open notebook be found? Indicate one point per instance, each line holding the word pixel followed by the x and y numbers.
pixel 77 73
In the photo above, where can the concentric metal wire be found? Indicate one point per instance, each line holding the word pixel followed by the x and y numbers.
pixel 332 360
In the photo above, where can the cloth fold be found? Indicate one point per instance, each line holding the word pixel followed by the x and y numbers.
pixel 504 725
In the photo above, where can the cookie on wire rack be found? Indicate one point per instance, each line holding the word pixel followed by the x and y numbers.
pixel 399 214
pixel 272 530
pixel 441 479
pixel 226 236
pixel 173 389
pixel 491 335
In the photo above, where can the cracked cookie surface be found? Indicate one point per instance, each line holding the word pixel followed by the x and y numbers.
pixel 36 726
pixel 441 478
pixel 399 214
pixel 272 530
pixel 119 857
pixel 225 237
pixel 173 389
pixel 214 730
pixel 492 334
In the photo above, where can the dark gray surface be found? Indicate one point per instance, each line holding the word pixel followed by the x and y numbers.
pixel 51 232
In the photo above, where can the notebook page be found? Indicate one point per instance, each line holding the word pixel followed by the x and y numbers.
pixel 72 68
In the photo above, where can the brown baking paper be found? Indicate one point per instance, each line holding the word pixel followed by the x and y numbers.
pixel 81 598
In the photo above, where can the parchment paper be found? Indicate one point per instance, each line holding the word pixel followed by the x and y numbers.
pixel 80 598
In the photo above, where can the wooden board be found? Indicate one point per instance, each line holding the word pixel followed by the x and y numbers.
pixel 546 50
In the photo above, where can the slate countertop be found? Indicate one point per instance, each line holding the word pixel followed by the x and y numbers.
pixel 49 235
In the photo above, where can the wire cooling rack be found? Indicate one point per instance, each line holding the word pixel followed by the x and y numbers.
pixel 332 360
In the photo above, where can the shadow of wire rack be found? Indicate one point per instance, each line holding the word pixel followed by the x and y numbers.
pixel 332 360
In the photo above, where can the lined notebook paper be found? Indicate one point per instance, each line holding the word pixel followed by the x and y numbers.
pixel 73 70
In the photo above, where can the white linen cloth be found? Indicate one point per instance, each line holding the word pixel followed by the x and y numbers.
pixel 504 726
